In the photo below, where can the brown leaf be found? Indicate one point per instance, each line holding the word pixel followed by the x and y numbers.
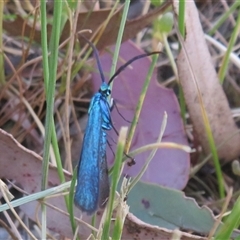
pixel 214 99
pixel 90 21
pixel 25 167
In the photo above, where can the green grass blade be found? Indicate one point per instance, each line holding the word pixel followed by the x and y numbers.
pixel 119 38
pixel 140 103
pixel 50 91
pixel 225 62
pixel 71 201
pixel 115 178
pixel 232 222
pixel 151 155
pixel 223 17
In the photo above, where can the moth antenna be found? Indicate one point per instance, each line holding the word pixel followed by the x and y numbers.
pixel 120 69
pixel 97 57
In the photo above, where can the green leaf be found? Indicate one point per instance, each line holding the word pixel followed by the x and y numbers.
pixel 156 3
pixel 169 208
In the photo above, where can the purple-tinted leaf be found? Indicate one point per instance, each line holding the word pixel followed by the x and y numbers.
pixel 24 167
pixel 169 167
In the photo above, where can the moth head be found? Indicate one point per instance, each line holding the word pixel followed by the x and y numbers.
pixel 105 89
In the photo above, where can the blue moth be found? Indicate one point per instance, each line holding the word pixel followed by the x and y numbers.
pixel 92 190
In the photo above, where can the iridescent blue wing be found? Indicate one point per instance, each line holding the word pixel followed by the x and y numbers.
pixel 106 125
pixel 104 180
pixel 87 190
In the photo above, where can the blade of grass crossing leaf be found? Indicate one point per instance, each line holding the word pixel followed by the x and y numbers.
pixel 140 103
pixel 151 155
pixel 213 151
pixel 165 145
pixel 153 146
pixel 115 178
pixel 139 107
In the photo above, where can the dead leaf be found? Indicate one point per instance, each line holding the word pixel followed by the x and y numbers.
pixel 214 99
pixel 25 167
pixel 90 21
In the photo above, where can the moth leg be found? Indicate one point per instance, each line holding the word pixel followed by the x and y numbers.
pixel 110 146
pixel 132 161
pixel 114 104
